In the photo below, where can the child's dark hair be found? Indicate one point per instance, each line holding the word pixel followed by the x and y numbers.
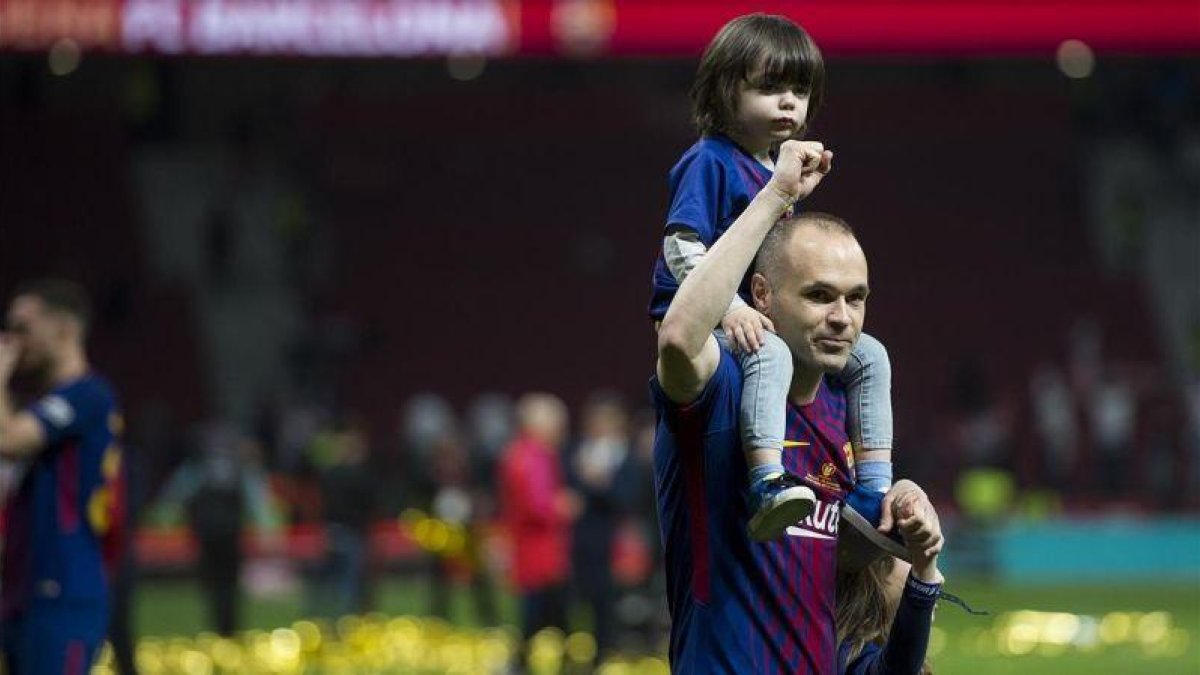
pixel 762 50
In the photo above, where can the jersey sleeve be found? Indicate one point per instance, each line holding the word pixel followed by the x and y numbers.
pixel 716 406
pixel 698 185
pixel 67 412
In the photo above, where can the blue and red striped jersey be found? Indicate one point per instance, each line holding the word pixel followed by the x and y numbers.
pixel 738 606
pixel 710 185
pixel 67 505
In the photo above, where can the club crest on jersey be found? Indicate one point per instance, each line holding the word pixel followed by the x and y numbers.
pixel 827 479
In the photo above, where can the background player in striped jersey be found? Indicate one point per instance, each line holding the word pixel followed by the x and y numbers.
pixel 65 512
pixel 760 82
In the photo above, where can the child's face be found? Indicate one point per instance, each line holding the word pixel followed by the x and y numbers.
pixel 770 112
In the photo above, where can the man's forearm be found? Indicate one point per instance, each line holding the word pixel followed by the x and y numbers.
pixel 704 296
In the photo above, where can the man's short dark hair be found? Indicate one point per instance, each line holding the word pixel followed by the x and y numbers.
pixel 60 295
pixel 769 254
pixel 758 49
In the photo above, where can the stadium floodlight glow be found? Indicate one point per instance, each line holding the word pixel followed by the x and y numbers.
pixel 467 67
pixel 64 57
pixel 1075 59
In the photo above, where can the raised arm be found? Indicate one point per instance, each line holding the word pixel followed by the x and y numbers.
pixel 687 353
pixel 20 433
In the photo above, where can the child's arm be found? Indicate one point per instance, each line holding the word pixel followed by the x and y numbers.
pixel 743 324
pixel 688 354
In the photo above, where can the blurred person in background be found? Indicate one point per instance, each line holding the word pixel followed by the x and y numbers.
pixel 594 468
pixel 67 512
pixel 222 484
pixel 1055 425
pixel 452 502
pixel 425 420
pixel 490 419
pixel 348 501
pixel 642 607
pixel 124 569
pixel 1112 413
pixel 442 474
pixel 885 604
pixel 490 424
pixel 537 511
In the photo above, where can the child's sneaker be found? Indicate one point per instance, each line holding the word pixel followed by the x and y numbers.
pixel 862 511
pixel 777 502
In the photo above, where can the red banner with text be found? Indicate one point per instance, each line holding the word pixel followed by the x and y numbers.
pixel 583 28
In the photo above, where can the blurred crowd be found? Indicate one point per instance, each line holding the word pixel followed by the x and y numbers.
pixel 1089 432
pixel 530 499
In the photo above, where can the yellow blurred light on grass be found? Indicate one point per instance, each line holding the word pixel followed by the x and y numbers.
pixel 650 665
pixel 1116 627
pixel 1152 628
pixel 285 644
pixel 228 655
pixel 580 648
pixel 615 668
pixel 1060 629
pixel 195 662
pixel 1018 639
pixel 310 636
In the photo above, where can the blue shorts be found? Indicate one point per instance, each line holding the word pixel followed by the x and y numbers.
pixel 54 638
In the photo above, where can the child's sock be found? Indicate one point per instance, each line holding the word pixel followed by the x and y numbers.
pixel 763 471
pixel 874 475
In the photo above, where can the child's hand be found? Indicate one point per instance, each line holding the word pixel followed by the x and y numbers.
pixel 799 167
pixel 744 328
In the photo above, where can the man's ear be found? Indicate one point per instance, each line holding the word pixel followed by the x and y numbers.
pixel 760 292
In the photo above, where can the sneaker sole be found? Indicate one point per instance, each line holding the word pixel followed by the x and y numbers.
pixel 868 532
pixel 785 509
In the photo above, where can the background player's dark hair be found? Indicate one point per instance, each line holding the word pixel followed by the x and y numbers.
pixel 60 295
pixel 771 249
pixel 755 48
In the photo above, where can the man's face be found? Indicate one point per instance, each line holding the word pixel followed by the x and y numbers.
pixel 817 297
pixel 38 333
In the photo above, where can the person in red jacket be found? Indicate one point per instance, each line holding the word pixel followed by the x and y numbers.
pixel 537 511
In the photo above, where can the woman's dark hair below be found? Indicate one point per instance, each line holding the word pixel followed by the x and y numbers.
pixel 864 615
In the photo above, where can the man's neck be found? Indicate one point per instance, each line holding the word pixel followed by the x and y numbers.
pixel 72 366
pixel 805 385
